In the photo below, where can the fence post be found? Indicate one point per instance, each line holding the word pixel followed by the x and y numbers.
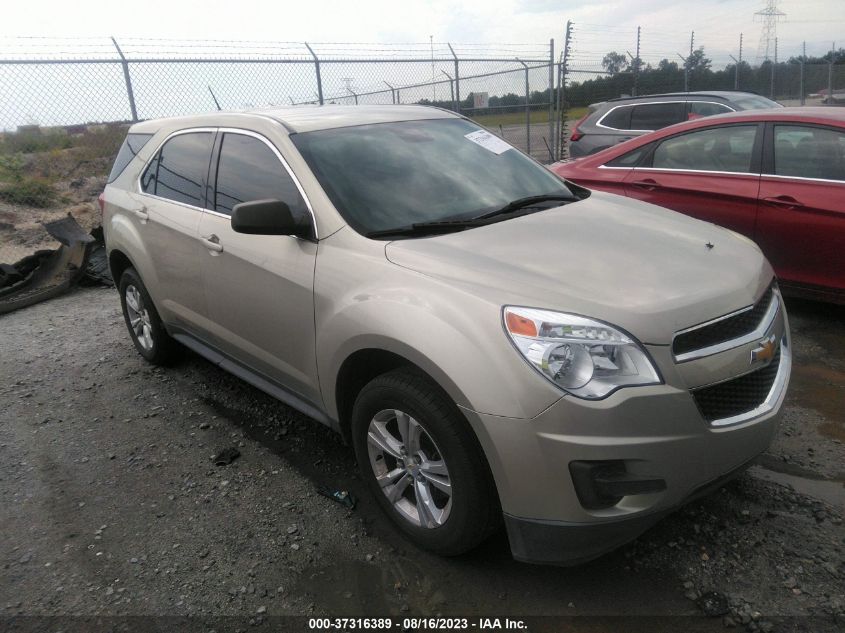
pixel 317 70
pixel 561 93
pixel 637 66
pixel 830 74
pixel 527 109
pixel 128 81
pixel 457 80
pixel 774 64
pixel 392 92
pixel 801 79
pixel 451 89
pixel 551 96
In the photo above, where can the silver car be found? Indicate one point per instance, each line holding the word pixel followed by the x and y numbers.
pixel 495 343
pixel 616 120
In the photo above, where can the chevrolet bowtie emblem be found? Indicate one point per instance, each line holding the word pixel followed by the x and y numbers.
pixel 765 350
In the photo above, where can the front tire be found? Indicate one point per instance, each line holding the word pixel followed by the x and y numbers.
pixel 423 463
pixel 143 322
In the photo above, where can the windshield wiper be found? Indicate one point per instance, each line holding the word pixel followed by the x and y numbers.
pixel 526 203
pixel 451 226
pixel 427 228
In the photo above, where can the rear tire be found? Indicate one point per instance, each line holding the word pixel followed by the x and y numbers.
pixel 423 464
pixel 143 322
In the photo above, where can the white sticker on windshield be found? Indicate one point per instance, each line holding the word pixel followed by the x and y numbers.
pixel 488 141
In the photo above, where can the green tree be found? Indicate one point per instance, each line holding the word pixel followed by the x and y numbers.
pixel 614 63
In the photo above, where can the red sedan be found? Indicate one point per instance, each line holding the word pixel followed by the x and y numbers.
pixel 777 176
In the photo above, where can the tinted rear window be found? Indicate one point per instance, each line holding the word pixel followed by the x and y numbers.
pixel 129 150
pixel 618 118
pixel 653 116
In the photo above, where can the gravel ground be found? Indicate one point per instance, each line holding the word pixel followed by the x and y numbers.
pixel 112 504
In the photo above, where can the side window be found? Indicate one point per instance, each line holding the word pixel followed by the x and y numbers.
pixel 618 118
pixel 249 170
pixel 179 169
pixel 631 159
pixel 809 152
pixel 702 108
pixel 713 149
pixel 653 116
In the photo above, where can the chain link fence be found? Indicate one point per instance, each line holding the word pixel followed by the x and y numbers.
pixel 601 62
pixel 65 104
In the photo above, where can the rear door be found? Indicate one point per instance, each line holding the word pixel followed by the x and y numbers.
pixel 260 288
pixel 801 218
pixel 171 204
pixel 712 174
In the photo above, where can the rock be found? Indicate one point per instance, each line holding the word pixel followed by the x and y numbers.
pixel 713 604
pixel 261 609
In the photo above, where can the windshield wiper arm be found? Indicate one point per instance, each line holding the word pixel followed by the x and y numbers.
pixel 426 228
pixel 524 203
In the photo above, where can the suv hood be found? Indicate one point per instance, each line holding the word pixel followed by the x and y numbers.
pixel 645 269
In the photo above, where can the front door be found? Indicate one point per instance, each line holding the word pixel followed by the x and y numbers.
pixel 711 174
pixel 260 288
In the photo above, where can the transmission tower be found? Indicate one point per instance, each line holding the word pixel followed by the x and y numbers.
pixel 769 17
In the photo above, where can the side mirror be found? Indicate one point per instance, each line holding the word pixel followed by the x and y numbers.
pixel 269 217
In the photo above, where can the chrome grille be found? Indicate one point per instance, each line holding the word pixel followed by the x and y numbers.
pixel 723 330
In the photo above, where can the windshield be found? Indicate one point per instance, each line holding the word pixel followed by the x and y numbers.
pixel 390 175
pixel 754 102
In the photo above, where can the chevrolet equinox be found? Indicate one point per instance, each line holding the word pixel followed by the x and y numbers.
pixel 495 343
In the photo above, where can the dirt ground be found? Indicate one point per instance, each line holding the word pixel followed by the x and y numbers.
pixel 110 503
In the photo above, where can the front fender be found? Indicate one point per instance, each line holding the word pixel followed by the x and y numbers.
pixel 364 302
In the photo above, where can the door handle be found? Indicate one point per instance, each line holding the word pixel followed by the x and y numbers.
pixel 648 184
pixel 788 202
pixel 212 243
pixel 141 214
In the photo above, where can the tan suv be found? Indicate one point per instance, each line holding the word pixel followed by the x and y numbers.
pixel 493 341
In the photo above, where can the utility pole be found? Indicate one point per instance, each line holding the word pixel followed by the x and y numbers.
pixel 740 61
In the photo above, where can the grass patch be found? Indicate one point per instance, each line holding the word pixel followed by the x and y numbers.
pixel 518 118
pixel 30 192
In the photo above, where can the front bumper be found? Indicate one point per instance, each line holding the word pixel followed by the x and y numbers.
pixel 658 433
pixel 567 544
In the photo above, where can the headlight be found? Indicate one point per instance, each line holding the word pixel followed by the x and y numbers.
pixel 587 358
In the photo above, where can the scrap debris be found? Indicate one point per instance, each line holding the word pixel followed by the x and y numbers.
pixel 48 273
pixel 342 497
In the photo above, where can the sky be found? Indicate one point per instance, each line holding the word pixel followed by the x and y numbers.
pixel 600 25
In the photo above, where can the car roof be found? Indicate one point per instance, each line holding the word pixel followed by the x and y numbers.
pixel 806 114
pixel 306 118
pixel 713 94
